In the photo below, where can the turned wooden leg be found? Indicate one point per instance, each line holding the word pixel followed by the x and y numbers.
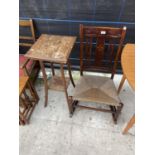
pixel 45 82
pixel 129 125
pixel 70 74
pixel 121 84
pixel 65 89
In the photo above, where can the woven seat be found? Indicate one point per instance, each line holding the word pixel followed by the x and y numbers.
pixel 96 89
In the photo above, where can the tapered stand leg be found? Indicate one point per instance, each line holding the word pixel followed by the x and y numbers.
pixel 70 74
pixel 52 68
pixel 45 82
pixel 65 89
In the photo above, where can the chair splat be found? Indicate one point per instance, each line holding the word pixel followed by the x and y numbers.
pixel 100 47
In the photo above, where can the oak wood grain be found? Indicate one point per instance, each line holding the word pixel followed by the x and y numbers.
pixel 52 48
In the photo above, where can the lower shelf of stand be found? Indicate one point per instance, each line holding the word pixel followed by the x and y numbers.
pixel 56 83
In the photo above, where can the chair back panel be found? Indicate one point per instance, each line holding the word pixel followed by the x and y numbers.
pixel 25 40
pixel 98 44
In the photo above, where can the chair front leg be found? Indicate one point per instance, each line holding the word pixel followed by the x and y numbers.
pixel 116 111
pixel 73 104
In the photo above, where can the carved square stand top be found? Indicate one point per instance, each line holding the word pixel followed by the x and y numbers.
pixel 52 48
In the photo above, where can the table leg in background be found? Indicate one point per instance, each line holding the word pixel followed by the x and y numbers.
pixel 121 84
pixel 129 125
